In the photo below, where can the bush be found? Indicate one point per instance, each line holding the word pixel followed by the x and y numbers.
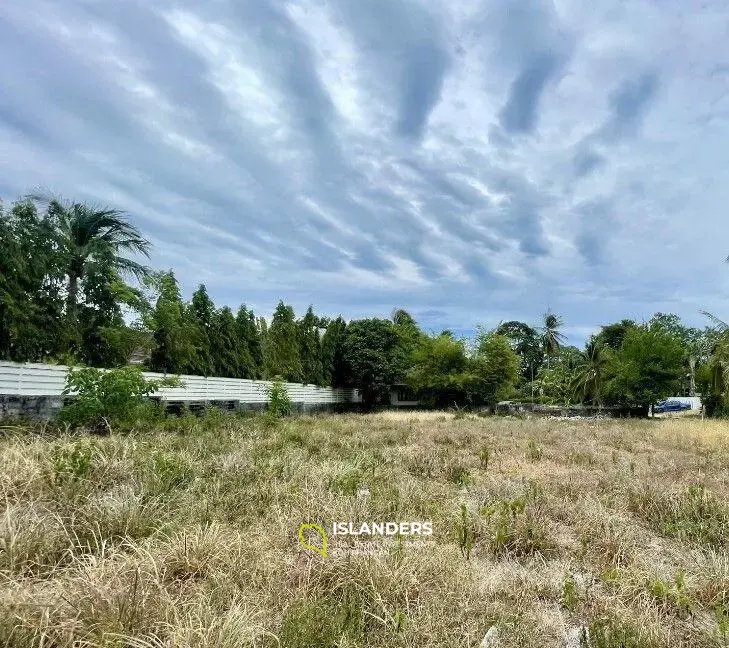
pixel 108 397
pixel 279 403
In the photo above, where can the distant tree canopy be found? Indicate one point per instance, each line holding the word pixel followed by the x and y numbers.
pixel 73 290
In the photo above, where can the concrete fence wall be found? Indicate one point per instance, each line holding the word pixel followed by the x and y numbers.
pixel 36 390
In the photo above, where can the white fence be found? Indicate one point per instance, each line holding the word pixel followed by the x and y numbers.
pixel 31 379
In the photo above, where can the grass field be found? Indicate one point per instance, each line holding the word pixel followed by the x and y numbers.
pixel 187 535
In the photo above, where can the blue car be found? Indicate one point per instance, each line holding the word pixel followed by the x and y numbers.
pixel 670 406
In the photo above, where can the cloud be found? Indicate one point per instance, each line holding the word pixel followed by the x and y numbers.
pixel 628 106
pixel 470 162
pixel 519 115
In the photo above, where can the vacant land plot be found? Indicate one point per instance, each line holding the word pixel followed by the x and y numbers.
pixel 187 535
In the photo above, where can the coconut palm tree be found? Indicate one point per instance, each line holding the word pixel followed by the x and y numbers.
pixel 93 235
pixel 588 382
pixel 552 338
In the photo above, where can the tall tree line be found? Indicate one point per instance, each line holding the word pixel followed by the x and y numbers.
pixel 70 285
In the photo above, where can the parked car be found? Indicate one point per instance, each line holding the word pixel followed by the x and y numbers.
pixel 670 405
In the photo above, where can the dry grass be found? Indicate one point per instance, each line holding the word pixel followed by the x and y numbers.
pixel 187 535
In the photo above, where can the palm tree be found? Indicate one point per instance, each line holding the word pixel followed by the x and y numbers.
pixel 93 235
pixel 588 382
pixel 552 338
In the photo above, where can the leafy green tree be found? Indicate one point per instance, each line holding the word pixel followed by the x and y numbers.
pixel 106 340
pixel 202 312
pixel 371 353
pixel 227 349
pixel 173 333
pixel 648 367
pixel 438 373
pixel 494 369
pixel 250 357
pixel 282 356
pixel 31 280
pixel 84 235
pixel 526 343
pixel 312 371
pixel 555 382
pixel 334 371
pixel 409 337
pixel 612 335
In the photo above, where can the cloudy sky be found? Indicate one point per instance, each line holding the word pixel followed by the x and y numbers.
pixel 468 160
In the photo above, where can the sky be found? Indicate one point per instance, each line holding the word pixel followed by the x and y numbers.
pixel 468 161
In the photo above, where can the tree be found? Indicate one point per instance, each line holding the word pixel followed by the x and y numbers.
pixel 526 344
pixel 310 348
pixel 409 337
pixel 612 335
pixel 648 367
pixel 552 338
pixel 250 358
pixel 494 369
pixel 282 356
pixel 85 234
pixel 438 373
pixel 106 340
pixel 590 376
pixel 225 345
pixel 201 312
pixel 333 368
pixel 371 354
pixel 31 279
pixel 173 333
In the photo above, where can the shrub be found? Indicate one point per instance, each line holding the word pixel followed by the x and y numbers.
pixel 108 397
pixel 279 403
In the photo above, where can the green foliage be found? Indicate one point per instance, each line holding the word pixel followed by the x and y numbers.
pixel 31 279
pixel 589 378
pixel 347 483
pixel 648 367
pixel 73 463
pixel 464 532
pixel 200 315
pixel 279 403
pixel 570 598
pixel 250 360
pixel 170 471
pixel 324 622
pixel 332 350
pixel 438 371
pixel 494 369
pixel 608 632
pixel 552 338
pixel 612 335
pixel 105 398
pixel 312 371
pixel 484 456
pixel 174 334
pixel 281 352
pixel 229 352
pixel 372 356
pixel 671 595
pixel 516 526
pixel 526 344
pixel 533 453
